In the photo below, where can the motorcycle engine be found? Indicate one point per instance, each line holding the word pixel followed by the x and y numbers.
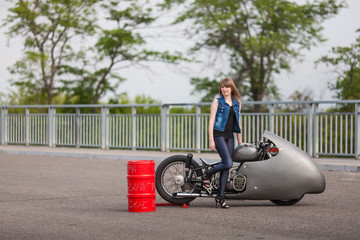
pixel 237 181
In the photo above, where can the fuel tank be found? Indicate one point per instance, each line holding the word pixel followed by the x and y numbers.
pixel 245 153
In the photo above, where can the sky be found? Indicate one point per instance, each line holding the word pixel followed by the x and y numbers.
pixel 171 84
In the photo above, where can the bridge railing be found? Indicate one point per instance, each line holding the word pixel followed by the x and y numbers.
pixel 313 127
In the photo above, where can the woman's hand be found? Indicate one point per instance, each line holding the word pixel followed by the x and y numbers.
pixel 212 145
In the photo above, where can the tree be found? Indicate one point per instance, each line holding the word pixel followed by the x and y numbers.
pixel 69 51
pixel 139 99
pixel 297 96
pixel 118 47
pixel 259 37
pixel 49 28
pixel 346 61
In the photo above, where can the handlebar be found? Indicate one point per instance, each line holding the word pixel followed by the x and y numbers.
pixel 266 149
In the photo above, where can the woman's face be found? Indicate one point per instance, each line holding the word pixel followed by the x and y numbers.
pixel 226 91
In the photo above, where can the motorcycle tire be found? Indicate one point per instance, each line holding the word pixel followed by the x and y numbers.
pixel 169 178
pixel 285 202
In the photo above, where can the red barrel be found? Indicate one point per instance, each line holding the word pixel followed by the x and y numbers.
pixel 141 186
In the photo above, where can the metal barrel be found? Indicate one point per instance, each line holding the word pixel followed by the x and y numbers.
pixel 141 186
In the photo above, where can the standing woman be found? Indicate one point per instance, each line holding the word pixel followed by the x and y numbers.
pixel 224 121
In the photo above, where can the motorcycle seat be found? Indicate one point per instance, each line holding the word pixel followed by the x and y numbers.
pixel 206 163
pixel 245 160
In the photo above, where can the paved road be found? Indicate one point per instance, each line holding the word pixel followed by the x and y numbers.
pixel 59 197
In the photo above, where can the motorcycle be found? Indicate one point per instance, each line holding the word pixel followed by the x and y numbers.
pixel 274 170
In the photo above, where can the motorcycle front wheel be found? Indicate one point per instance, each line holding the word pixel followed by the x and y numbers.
pixel 170 178
pixel 285 202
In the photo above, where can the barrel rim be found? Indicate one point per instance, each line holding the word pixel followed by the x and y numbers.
pixel 141 162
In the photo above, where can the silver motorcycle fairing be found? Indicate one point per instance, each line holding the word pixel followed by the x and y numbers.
pixel 287 176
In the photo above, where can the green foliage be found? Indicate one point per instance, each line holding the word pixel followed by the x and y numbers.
pixel 143 99
pixel 85 88
pixel 70 53
pixel 116 48
pixel 48 28
pixel 3 99
pixel 182 110
pixel 139 99
pixel 259 37
pixel 297 96
pixel 207 86
pixel 346 62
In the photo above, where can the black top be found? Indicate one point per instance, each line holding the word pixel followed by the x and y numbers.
pixel 229 127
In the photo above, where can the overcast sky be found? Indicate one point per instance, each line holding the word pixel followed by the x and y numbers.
pixel 171 84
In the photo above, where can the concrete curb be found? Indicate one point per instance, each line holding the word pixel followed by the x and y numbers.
pixel 343 168
pixel 86 155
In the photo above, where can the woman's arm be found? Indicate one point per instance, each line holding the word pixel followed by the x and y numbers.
pixel 213 110
pixel 239 135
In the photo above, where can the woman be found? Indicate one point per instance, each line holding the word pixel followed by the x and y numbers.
pixel 224 121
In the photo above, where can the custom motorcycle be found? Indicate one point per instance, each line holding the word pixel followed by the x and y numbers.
pixel 273 169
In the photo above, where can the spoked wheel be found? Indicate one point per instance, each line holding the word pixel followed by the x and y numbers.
pixel 285 202
pixel 170 178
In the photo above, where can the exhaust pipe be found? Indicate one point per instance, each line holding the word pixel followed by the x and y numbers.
pixel 184 194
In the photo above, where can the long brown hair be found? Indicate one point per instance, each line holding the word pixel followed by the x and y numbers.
pixel 228 82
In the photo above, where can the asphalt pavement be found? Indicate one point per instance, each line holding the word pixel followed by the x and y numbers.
pixel 69 193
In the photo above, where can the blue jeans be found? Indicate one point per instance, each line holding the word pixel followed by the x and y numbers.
pixel 225 148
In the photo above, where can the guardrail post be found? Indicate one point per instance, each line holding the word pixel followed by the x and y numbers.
pixel 133 127
pixel 197 129
pixel 27 126
pixel 271 117
pixel 313 131
pixel 51 130
pixel 164 128
pixel 357 131
pixel 310 121
pixel 104 115
pixel 4 112
pixel 77 128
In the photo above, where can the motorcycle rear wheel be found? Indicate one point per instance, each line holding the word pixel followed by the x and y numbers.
pixel 285 202
pixel 169 178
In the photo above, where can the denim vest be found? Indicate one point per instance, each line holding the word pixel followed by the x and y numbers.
pixel 222 115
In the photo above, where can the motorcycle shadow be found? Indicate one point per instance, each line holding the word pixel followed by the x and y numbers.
pixel 249 204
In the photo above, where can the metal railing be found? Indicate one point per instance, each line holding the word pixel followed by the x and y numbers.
pixel 313 128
